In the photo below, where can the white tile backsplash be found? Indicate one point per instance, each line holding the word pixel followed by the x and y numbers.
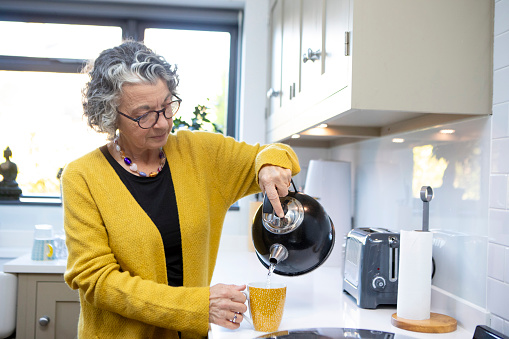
pixel 496 259
pixel 507 197
pixel 500 155
pixel 499 227
pixel 501 51
pixel 498 290
pixel 501 17
pixel 498 298
pixel 506 265
pixel 500 121
pixel 501 86
pixel 497 323
pixel 498 191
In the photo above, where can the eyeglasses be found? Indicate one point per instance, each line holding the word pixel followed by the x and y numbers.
pixel 149 119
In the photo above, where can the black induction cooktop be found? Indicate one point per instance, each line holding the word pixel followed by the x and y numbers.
pixel 329 333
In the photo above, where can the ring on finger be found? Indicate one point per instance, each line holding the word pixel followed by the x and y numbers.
pixel 234 318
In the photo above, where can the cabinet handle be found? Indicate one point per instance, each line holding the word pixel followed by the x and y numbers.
pixel 313 56
pixel 272 93
pixel 347 43
pixel 44 321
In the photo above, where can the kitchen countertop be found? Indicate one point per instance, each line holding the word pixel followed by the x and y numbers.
pixel 25 264
pixel 313 300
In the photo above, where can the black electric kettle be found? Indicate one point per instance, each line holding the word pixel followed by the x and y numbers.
pixel 297 243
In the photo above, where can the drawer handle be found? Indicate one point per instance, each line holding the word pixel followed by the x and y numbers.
pixel 44 321
pixel 311 56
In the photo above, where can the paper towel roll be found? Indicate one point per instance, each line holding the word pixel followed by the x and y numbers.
pixel 414 282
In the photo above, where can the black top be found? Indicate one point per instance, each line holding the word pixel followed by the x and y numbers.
pixel 156 195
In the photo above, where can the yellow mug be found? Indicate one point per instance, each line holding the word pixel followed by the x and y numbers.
pixel 266 305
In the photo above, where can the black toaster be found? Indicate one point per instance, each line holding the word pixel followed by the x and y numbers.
pixel 371 266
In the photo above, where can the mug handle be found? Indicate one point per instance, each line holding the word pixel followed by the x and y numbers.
pixel 50 251
pixel 244 314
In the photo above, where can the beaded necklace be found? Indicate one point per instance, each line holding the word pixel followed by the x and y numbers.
pixel 133 167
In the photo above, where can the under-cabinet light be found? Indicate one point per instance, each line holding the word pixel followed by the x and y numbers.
pixel 296 136
pixel 398 140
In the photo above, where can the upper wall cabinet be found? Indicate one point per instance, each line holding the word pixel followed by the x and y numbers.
pixel 369 68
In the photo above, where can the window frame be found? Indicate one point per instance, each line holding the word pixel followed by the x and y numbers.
pixel 133 19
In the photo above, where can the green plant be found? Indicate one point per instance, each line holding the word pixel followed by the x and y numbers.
pixel 198 123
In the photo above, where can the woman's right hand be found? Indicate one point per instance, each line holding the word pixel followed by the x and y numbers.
pixel 227 302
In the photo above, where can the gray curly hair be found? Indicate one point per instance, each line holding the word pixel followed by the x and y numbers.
pixel 131 62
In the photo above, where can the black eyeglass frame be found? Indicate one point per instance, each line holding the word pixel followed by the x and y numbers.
pixel 137 120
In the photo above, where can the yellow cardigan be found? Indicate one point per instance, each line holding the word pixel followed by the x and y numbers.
pixel 116 256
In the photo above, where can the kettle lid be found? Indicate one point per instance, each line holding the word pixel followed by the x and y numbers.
pixel 294 215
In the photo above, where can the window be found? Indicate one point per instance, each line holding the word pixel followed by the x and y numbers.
pixel 203 80
pixel 40 81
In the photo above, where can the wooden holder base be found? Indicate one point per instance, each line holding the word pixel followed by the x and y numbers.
pixel 437 323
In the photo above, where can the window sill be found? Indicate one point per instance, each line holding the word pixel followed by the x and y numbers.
pixel 34 200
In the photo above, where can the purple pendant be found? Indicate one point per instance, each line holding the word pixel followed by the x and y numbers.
pixel 143 174
pixel 127 161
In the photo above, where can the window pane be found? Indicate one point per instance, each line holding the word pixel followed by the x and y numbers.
pixel 203 59
pixel 47 40
pixel 41 121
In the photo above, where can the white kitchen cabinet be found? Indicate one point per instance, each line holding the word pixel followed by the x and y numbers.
pixel 382 66
pixel 47 307
pixel 276 30
pixel 290 51
pixel 312 43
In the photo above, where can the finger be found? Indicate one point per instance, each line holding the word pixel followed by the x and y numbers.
pixel 236 294
pixel 227 323
pixel 238 308
pixel 273 196
pixel 227 291
pixel 282 189
pixel 237 318
pixel 223 316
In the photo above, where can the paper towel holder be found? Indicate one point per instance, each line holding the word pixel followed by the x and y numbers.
pixel 437 323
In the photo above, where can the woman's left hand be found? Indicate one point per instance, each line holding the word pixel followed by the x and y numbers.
pixel 274 182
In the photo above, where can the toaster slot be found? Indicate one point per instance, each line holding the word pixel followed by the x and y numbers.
pixel 393 263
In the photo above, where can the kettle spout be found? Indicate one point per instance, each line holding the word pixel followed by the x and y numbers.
pixel 278 253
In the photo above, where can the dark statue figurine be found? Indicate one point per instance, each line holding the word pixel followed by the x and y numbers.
pixel 9 189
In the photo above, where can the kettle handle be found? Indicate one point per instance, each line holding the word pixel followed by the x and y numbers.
pixel 267 206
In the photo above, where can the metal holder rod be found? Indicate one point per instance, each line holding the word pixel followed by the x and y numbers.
pixel 426 196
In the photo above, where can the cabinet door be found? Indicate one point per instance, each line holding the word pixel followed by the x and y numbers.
pixel 291 50
pixel 274 94
pixel 336 55
pixel 57 311
pixel 312 42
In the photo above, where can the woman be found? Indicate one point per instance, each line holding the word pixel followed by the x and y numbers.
pixel 143 214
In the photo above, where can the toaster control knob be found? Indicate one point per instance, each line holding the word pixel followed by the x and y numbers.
pixel 378 283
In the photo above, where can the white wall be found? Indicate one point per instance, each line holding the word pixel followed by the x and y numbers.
pixel 498 246
pixel 387 180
